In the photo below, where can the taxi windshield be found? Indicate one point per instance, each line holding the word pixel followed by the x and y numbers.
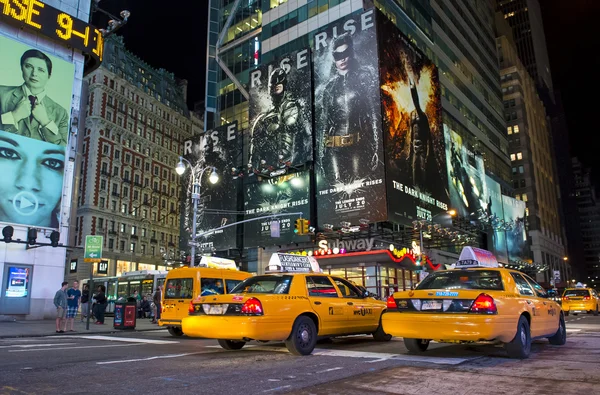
pixel 264 285
pixel 463 279
pixel 576 292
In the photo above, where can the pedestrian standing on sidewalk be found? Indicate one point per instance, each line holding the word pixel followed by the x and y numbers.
pixel 60 302
pixel 157 299
pixel 100 305
pixel 73 299
pixel 85 302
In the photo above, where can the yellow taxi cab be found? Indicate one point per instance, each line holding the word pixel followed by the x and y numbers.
pixel 295 303
pixel 580 300
pixel 213 276
pixel 475 302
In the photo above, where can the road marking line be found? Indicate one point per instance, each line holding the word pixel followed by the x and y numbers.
pixel 123 339
pixel 387 356
pixel 329 370
pixel 278 388
pixel 72 348
pixel 37 345
pixel 569 330
pixel 148 359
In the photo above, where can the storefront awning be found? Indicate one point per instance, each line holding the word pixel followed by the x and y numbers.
pixel 407 261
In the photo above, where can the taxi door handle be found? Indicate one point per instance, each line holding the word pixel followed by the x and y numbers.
pixel 180 301
pixel 350 303
pixel 317 302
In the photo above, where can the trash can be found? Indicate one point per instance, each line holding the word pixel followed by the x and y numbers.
pixel 125 314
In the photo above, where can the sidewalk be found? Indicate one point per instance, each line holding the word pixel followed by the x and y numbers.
pixel 40 328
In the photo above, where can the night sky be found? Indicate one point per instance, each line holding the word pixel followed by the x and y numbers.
pixel 169 35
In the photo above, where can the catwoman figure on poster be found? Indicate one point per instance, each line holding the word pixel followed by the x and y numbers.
pixel 280 136
pixel 349 116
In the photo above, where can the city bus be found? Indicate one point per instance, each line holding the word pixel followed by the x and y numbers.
pixel 144 281
pixel 110 283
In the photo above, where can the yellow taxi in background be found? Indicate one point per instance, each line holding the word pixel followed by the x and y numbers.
pixel 580 300
pixel 212 276
pixel 476 302
pixel 297 305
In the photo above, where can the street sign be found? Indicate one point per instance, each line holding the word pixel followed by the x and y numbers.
pixel 93 248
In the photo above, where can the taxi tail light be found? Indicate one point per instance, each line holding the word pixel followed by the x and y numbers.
pixel 191 308
pixel 252 307
pixel 565 298
pixel 391 302
pixel 586 298
pixel 483 304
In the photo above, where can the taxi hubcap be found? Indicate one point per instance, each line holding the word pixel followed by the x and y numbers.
pixel 523 336
pixel 304 335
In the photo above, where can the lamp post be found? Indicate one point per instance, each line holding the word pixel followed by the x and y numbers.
pixel 214 178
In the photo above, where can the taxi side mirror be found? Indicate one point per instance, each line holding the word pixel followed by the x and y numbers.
pixel 551 293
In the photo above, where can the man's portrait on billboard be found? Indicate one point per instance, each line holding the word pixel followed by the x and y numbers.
pixel 36 90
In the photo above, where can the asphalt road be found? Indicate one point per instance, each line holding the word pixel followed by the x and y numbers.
pixel 154 362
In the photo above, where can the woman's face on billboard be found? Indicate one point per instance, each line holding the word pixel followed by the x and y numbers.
pixel 31 179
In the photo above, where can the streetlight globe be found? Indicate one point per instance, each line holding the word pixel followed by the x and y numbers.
pixel 214 177
pixel 452 212
pixel 180 168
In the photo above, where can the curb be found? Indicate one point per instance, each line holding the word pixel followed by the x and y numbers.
pixel 82 333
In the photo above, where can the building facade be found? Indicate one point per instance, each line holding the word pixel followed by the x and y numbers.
pixel 589 213
pixel 31 268
pixel 127 189
pixel 534 178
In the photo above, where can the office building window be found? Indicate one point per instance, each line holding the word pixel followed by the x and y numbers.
pixel 509 130
pixel 519 155
pixel 513 157
pixel 516 129
pixel 524 198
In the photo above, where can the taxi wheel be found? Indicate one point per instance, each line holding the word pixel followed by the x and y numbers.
pixel 175 331
pixel 596 311
pixel 231 344
pixel 416 345
pixel 560 337
pixel 520 346
pixel 303 338
pixel 380 336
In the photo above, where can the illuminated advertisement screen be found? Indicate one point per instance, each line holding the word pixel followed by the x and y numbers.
pixel 495 211
pixel 35 109
pixel 285 194
pixel 415 164
pixel 516 235
pixel 17 283
pixel 349 147
pixel 466 177
pixel 280 111
pixel 219 148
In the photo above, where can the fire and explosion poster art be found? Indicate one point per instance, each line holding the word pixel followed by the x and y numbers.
pixel 221 148
pixel 285 194
pixel 349 146
pixel 412 128
pixel 280 111
pixel 514 219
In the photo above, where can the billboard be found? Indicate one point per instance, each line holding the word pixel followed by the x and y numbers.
pixel 466 177
pixel 35 109
pixel 349 146
pixel 495 211
pixel 516 235
pixel 219 148
pixel 280 112
pixel 289 193
pixel 415 164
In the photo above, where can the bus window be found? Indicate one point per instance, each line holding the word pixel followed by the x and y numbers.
pixel 147 287
pixel 122 289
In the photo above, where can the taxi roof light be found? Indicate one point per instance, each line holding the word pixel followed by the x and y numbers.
pixel 391 302
pixel 484 304
pixel 252 307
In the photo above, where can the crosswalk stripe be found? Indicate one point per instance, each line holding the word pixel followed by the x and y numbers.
pixel 122 339
pixel 148 359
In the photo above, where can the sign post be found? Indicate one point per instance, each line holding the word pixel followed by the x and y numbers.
pixel 92 253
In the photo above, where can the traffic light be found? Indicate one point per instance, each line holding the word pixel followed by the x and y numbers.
pixel 31 236
pixel 54 238
pixel 305 224
pixel 8 232
pixel 298 226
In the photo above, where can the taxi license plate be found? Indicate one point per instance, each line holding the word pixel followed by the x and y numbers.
pixel 215 309
pixel 431 305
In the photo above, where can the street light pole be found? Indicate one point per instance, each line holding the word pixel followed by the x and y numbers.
pixel 180 169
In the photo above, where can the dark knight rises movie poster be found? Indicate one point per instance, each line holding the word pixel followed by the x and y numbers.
pixel 280 112
pixel 349 145
pixel 412 128
pixel 221 148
